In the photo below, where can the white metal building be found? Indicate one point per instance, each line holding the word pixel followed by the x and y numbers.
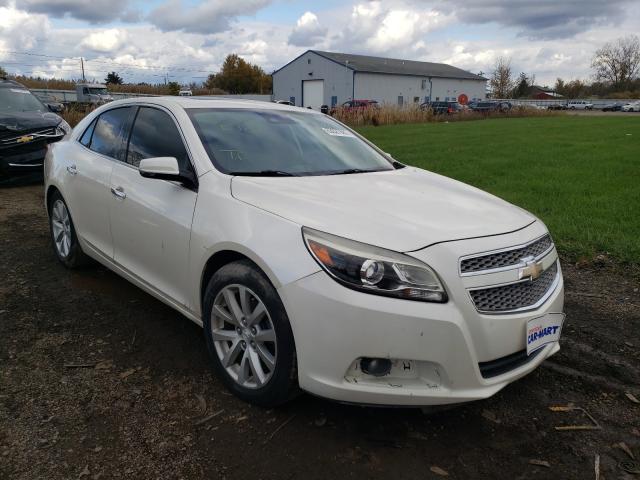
pixel 318 78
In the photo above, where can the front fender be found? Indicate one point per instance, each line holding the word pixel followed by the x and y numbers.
pixel 223 223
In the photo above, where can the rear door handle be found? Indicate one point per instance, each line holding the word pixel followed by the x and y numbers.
pixel 119 192
pixel 72 170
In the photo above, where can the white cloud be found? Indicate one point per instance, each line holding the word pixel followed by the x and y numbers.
pixel 308 31
pixel 105 40
pixel 387 28
pixel 20 30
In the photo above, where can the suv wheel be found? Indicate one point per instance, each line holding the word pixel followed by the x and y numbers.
pixel 249 336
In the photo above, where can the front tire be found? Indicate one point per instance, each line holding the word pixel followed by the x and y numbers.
pixel 63 234
pixel 249 336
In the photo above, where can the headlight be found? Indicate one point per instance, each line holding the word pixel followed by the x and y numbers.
pixel 372 269
pixel 63 127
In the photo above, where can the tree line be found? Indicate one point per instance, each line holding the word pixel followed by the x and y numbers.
pixel 615 68
pixel 236 76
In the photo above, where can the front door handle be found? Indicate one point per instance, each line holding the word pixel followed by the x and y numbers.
pixel 72 170
pixel 119 192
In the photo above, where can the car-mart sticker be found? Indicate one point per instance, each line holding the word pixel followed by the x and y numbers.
pixel 543 330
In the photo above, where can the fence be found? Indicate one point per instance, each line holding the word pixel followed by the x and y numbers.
pixel 66 96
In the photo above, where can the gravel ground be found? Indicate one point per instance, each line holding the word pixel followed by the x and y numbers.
pixel 100 380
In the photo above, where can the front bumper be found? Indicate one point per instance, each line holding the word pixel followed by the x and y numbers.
pixel 24 160
pixel 436 349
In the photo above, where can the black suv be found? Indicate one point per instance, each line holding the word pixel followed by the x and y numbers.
pixel 440 108
pixel 27 126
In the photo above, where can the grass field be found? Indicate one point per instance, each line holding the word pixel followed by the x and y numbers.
pixel 580 175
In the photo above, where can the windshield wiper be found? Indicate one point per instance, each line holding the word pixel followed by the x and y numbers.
pixel 264 173
pixel 349 171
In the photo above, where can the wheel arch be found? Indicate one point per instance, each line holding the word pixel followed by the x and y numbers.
pixel 51 190
pixel 227 255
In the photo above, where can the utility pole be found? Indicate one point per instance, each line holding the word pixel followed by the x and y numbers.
pixel 82 65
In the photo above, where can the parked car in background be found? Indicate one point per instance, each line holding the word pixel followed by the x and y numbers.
pixel 307 253
pixel 579 105
pixel 488 107
pixel 557 106
pixel 185 93
pixel 613 107
pixel 631 107
pixel 27 126
pixel 355 105
pixel 440 108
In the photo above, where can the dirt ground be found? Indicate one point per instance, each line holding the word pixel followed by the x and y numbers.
pixel 100 380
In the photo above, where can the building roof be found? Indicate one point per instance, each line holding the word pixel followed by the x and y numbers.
pixel 365 63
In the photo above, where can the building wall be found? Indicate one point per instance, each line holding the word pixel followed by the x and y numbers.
pixel 338 80
pixel 386 88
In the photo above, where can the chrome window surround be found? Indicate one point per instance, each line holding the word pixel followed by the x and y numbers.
pixel 501 250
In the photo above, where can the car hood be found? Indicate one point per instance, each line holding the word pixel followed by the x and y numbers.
pixel 402 210
pixel 25 121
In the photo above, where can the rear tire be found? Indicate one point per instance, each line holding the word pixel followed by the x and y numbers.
pixel 249 336
pixel 63 234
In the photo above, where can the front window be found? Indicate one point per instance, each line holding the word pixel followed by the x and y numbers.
pixel 241 141
pixel 98 91
pixel 19 100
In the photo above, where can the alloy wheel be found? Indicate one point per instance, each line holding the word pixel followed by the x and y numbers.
pixel 61 226
pixel 243 336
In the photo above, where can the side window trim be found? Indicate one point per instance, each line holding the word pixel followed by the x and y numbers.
pixel 92 127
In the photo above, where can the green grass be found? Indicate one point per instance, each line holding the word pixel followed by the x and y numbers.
pixel 580 175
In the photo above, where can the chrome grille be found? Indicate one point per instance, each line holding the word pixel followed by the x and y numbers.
pixel 506 258
pixel 515 296
pixel 10 141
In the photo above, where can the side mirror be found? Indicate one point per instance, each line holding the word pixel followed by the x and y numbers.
pixel 55 107
pixel 165 168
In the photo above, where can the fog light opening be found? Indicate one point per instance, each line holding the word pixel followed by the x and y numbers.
pixel 377 367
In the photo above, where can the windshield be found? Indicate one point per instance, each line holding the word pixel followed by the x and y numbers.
pixel 241 141
pixel 98 91
pixel 19 100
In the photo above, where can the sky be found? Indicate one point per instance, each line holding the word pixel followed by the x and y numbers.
pixel 185 40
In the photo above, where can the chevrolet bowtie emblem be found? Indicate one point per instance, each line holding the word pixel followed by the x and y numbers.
pixel 25 139
pixel 531 269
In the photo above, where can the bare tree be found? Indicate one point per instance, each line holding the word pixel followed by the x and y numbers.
pixel 501 81
pixel 617 62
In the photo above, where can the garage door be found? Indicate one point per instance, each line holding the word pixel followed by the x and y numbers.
pixel 313 93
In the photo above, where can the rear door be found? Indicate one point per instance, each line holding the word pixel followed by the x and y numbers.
pixel 89 174
pixel 151 218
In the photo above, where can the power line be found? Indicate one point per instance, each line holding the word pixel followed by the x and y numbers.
pixel 113 63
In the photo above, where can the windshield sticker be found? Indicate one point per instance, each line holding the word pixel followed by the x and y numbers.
pixel 336 132
pixel 19 90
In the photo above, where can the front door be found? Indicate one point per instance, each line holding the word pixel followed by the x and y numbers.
pixel 89 175
pixel 151 218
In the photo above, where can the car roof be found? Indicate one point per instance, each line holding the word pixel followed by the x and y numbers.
pixel 211 102
pixel 5 83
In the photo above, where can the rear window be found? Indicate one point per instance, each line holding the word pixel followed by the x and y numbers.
pixel 107 137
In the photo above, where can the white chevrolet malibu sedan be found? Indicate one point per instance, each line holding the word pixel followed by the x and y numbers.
pixel 313 260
